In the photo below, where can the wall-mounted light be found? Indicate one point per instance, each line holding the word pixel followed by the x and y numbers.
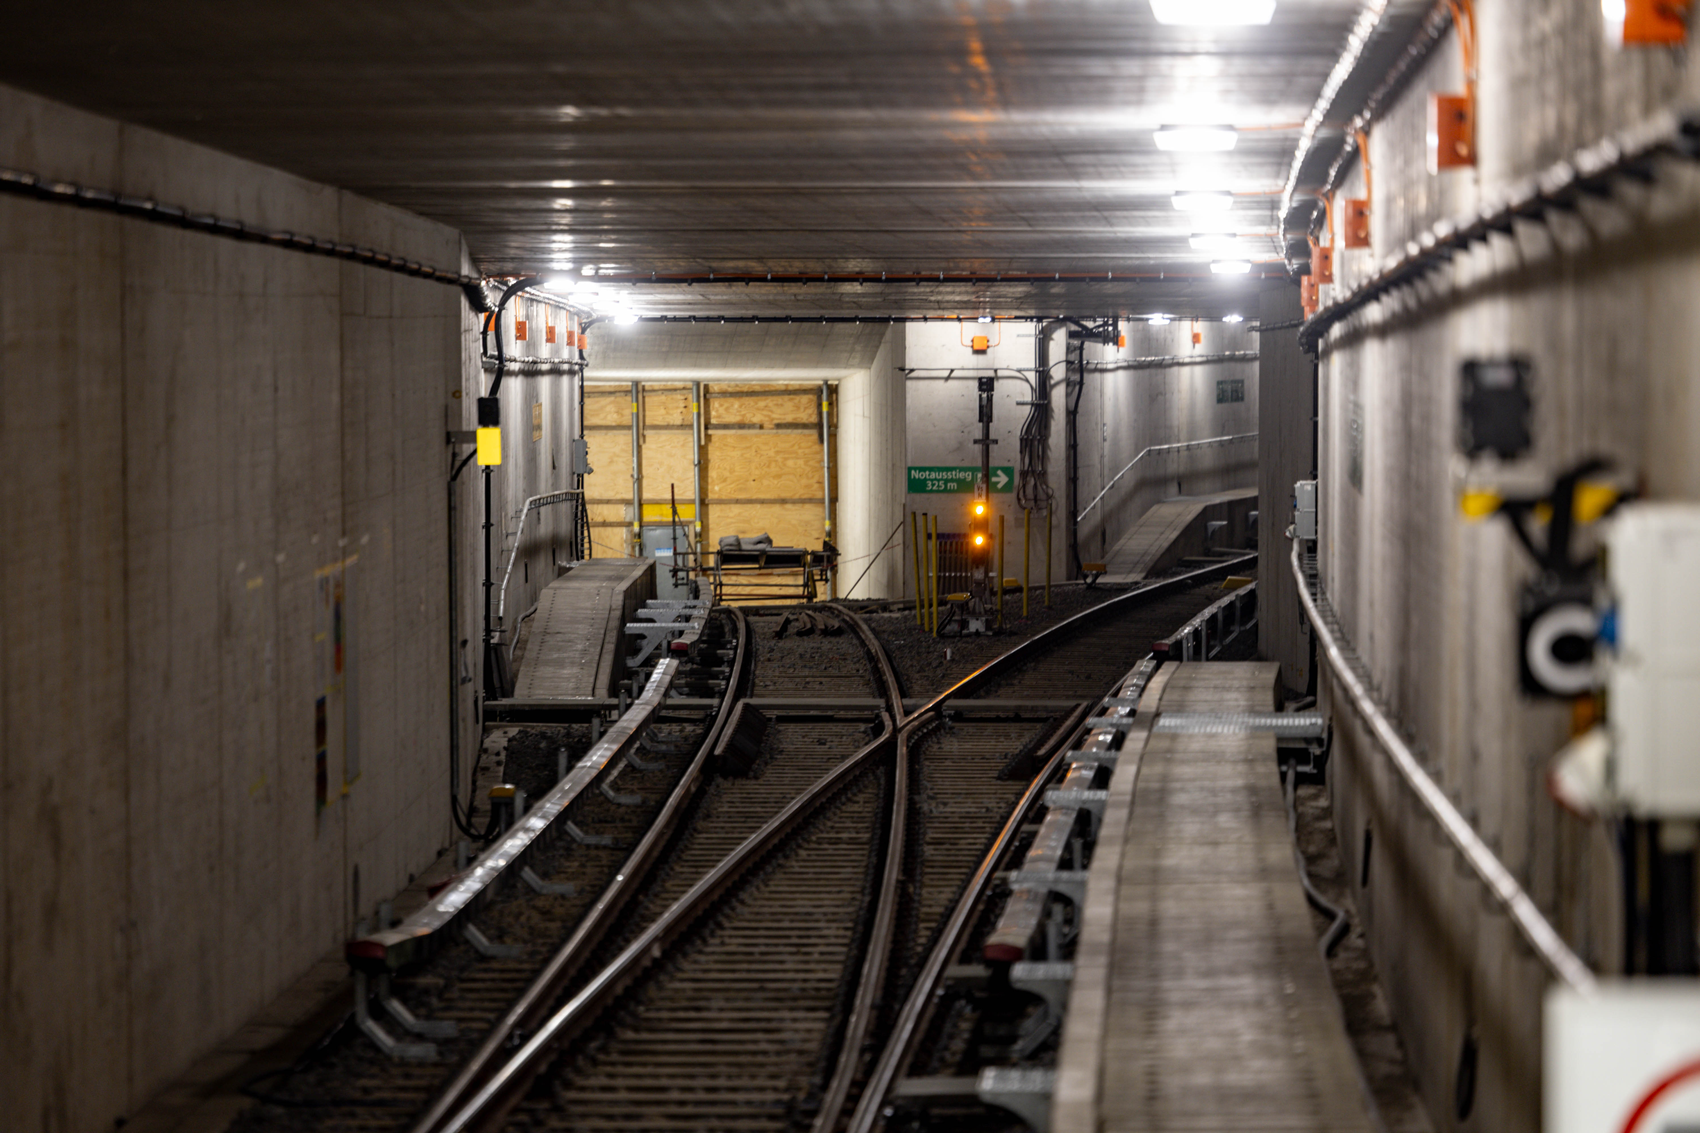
pixel 625 318
pixel 1159 320
pixel 984 319
pixel 1233 318
pixel 1230 267
pixel 1213 13
pixel 1192 200
pixel 1215 241
pixel 1196 139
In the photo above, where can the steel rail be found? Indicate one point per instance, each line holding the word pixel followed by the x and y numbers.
pixel 486 1105
pixel 877 952
pixel 413 939
pixel 1534 927
pixel 1176 447
pixel 571 956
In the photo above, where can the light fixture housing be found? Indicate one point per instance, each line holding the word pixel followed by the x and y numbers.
pixel 1215 241
pixel 1202 200
pixel 1213 13
pixel 1196 139
pixel 1233 318
pixel 1159 320
pixel 1230 267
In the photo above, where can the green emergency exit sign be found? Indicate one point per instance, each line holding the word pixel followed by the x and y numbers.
pixel 924 478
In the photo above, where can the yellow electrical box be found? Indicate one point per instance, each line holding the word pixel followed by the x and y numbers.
pixel 490 445
pixel 1357 223
pixel 981 343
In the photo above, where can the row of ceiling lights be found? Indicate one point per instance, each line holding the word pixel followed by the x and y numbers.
pixel 1180 139
pixel 1208 139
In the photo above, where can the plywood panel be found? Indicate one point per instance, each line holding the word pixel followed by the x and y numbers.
pixel 666 405
pixel 607 405
pixel 763 465
pixel 611 459
pixel 666 459
pixel 790 405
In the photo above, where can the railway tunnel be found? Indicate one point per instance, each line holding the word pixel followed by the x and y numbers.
pixel 992 565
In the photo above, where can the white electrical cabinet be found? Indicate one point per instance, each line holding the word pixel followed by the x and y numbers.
pixel 1623 1059
pixel 1653 682
pixel 1304 509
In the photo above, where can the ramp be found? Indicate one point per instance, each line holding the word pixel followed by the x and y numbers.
pixel 1179 528
pixel 576 646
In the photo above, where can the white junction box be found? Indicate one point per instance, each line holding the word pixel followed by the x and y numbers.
pixel 1653 683
pixel 1624 1058
pixel 1304 509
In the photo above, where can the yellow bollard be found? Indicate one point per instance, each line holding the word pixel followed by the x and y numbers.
pixel 915 554
pixel 1026 555
pixel 1047 556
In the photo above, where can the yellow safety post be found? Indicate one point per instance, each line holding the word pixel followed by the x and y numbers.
pixel 933 585
pixel 1000 570
pixel 1026 555
pixel 1047 556
pixel 915 553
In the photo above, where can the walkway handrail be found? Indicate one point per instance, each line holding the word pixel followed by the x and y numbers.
pixel 1176 447
pixel 1535 928
pixel 531 505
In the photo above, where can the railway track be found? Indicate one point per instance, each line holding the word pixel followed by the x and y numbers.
pixel 752 988
pixel 742 967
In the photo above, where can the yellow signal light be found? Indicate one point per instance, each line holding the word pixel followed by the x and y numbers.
pixel 979 509
pixel 979 539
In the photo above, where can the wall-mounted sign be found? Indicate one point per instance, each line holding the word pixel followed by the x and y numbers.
pixel 926 478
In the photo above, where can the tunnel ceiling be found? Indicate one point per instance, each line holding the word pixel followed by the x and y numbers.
pixel 809 139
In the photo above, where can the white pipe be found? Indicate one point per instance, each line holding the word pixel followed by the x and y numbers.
pixel 1159 448
pixel 1535 928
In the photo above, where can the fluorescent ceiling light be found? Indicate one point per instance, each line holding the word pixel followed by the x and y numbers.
pixel 1233 318
pixel 1202 201
pixel 1230 267
pixel 1215 241
pixel 626 318
pixel 585 290
pixel 984 319
pixel 558 281
pixel 1196 139
pixel 1159 320
pixel 1213 13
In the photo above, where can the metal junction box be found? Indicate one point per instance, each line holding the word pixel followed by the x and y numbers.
pixel 1304 509
pixel 1653 686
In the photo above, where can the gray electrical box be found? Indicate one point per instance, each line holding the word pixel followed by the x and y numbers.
pixel 1304 509
pixel 581 457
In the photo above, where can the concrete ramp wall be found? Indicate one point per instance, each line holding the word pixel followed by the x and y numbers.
pixel 1179 528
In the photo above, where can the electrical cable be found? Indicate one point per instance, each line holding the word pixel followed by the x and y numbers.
pixel 1337 930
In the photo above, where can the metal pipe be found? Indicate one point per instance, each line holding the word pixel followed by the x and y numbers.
pixel 1175 447
pixel 696 468
pixel 826 478
pixel 637 477
pixel 1535 928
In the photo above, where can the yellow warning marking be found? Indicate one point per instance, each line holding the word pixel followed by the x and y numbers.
pixel 1479 503
pixel 256 582
pixel 1593 501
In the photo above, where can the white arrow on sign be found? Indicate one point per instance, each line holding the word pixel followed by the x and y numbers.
pixel 999 479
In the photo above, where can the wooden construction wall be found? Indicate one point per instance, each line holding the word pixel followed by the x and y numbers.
pixel 761 459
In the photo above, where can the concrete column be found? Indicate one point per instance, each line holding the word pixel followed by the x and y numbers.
pixel 872 446
pixel 1286 447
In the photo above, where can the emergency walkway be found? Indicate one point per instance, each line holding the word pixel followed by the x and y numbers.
pixel 1200 999
pixel 576 649
pixel 1181 527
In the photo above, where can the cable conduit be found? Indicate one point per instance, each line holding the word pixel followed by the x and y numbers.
pixel 1588 171
pixel 1350 675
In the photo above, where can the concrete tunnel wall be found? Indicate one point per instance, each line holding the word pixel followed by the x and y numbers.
pixel 1122 411
pixel 200 431
pixel 1602 300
